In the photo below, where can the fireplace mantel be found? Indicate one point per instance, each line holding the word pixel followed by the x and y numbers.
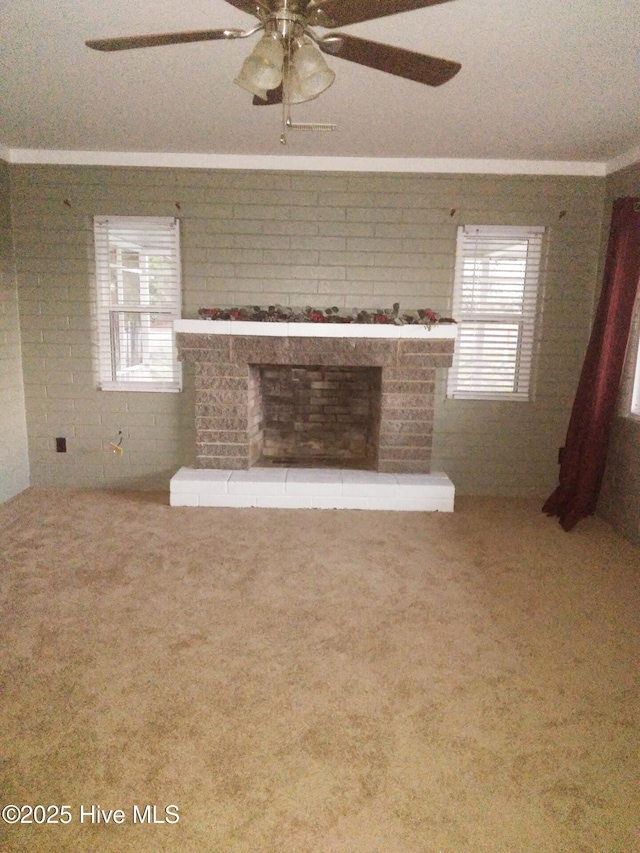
pixel 444 331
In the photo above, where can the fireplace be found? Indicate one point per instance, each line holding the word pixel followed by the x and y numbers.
pixel 271 398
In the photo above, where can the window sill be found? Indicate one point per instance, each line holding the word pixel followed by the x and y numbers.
pixel 143 387
pixel 484 398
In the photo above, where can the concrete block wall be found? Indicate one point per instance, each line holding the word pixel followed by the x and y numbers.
pixel 619 499
pixel 297 238
pixel 14 458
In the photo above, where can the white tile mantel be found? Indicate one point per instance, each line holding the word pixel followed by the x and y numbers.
pixel 439 331
pixel 312 488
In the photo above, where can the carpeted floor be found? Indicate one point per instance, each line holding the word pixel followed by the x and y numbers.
pixel 315 681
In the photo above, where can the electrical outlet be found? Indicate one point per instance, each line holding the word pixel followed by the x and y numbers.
pixel 61 445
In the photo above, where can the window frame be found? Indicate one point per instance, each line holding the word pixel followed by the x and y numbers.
pixel 493 325
pixel 146 234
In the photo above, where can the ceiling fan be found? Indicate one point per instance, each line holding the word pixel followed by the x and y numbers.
pixel 285 67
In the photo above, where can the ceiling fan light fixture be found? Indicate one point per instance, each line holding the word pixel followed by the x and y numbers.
pixel 251 87
pixel 310 71
pixel 292 90
pixel 262 69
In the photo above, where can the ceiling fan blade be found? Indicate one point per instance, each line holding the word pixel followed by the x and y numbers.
pixel 393 60
pixel 129 42
pixel 274 96
pixel 339 13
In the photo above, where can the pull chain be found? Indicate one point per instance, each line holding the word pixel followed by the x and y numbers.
pixel 287 124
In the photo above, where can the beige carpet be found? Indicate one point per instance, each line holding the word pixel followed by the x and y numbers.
pixel 317 681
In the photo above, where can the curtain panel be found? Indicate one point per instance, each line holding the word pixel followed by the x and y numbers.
pixel 585 450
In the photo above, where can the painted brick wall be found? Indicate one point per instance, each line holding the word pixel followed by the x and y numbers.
pixel 14 460
pixel 620 496
pixel 296 238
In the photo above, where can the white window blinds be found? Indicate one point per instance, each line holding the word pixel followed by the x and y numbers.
pixel 138 297
pixel 495 303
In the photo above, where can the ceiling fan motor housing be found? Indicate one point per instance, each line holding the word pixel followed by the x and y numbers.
pixel 288 25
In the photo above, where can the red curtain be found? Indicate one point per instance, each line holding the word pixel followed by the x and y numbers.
pixel 585 450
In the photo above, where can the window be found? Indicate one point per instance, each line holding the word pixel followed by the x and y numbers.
pixel 495 301
pixel 138 284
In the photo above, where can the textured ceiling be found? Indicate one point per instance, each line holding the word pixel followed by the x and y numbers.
pixel 543 80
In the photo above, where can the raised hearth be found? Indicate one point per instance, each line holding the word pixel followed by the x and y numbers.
pixel 312 488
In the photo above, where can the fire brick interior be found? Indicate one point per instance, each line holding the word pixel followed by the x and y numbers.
pixel 320 415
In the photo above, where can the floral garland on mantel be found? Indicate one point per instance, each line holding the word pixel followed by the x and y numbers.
pixel 284 314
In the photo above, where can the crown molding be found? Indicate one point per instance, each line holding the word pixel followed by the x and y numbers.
pixel 631 158
pixel 306 164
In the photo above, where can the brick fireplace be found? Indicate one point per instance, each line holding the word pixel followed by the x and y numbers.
pixel 271 398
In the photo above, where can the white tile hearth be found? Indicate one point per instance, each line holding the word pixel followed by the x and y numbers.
pixel 312 488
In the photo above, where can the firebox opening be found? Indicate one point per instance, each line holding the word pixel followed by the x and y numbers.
pixel 315 416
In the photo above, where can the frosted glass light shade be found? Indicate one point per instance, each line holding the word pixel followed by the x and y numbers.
pixel 262 69
pixel 292 90
pixel 313 73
